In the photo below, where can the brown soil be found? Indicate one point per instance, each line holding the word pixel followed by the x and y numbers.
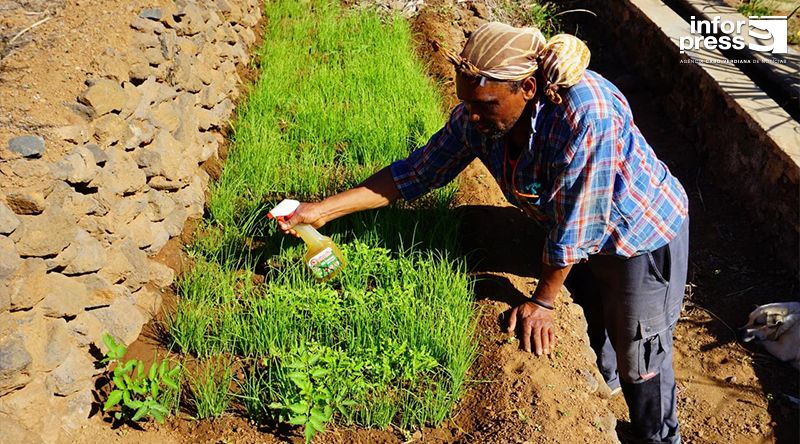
pixel 726 392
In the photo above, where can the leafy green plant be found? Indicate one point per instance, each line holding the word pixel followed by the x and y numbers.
pixel 138 393
pixel 312 407
pixel 754 7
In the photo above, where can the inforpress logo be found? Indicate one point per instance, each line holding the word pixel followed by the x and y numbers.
pixel 770 34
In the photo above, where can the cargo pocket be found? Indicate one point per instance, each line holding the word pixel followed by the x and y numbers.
pixel 655 338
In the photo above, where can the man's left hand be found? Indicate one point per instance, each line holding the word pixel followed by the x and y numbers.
pixel 535 327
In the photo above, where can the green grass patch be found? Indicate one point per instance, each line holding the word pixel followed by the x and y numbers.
pixel 387 341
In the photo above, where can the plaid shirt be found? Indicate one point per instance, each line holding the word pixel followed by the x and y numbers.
pixel 587 176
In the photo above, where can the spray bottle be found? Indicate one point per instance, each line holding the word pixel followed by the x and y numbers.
pixel 323 257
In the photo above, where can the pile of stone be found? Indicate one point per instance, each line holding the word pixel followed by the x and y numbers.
pixel 77 236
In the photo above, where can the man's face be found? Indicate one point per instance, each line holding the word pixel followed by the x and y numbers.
pixel 494 108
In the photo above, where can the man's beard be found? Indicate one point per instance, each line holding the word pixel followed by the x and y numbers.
pixel 495 133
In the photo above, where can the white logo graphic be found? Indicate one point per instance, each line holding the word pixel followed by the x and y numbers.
pixel 775 27
pixel 770 34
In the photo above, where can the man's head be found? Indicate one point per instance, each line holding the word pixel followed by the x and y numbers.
pixel 494 106
pixel 496 71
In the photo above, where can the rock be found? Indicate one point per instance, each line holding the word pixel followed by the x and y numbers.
pixel 161 275
pixel 168 43
pixel 186 133
pixel 8 220
pixel 153 93
pixel 87 329
pixel 30 406
pixel 64 297
pixel 75 409
pixel 73 133
pixel 191 22
pixel 161 183
pixel 175 221
pixel 143 40
pixel 223 110
pixel 160 237
pixel 165 117
pixel 479 9
pixel 120 175
pixel 58 344
pixel 73 202
pixel 104 96
pixel 231 10
pixel 154 56
pixel 72 375
pixel 111 129
pixel 122 320
pixel 140 71
pixel 209 97
pixel 84 255
pixel 186 46
pixel 46 234
pixel 206 120
pixel 235 52
pixel 141 231
pixel 33 169
pixel 148 301
pixel 126 264
pixel 26 201
pixel 27 146
pixel 12 431
pixel 147 26
pixel 142 134
pixel 134 97
pixel 115 68
pixel 100 156
pixel 15 363
pixel 83 111
pixel 205 148
pixel 125 210
pixel 151 14
pixel 183 73
pixel 192 197
pixel 9 258
pixel 26 290
pixel 101 292
pixel 164 157
pixel 160 205
pixel 248 36
pixel 78 167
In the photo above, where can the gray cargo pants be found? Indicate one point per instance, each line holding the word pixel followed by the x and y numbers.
pixel 631 307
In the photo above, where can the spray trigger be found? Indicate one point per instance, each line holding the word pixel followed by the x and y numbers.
pixel 284 210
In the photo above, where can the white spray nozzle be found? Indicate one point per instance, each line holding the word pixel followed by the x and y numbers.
pixel 284 209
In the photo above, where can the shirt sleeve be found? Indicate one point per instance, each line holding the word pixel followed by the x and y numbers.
pixel 582 194
pixel 434 165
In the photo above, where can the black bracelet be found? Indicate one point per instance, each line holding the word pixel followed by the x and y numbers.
pixel 542 304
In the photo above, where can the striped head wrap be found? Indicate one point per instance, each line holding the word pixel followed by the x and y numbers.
pixel 501 52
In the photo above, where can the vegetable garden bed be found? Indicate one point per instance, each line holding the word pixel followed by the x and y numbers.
pixel 390 339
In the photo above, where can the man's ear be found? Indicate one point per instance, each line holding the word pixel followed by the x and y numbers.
pixel 528 88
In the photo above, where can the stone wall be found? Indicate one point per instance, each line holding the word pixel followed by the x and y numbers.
pixel 77 236
pixel 754 161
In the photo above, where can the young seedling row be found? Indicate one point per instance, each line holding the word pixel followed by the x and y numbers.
pixel 390 339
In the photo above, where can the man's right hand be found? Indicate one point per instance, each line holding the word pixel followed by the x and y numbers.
pixel 310 213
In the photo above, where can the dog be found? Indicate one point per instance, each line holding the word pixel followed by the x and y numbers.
pixel 776 327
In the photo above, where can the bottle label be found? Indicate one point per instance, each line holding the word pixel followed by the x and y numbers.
pixel 324 263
